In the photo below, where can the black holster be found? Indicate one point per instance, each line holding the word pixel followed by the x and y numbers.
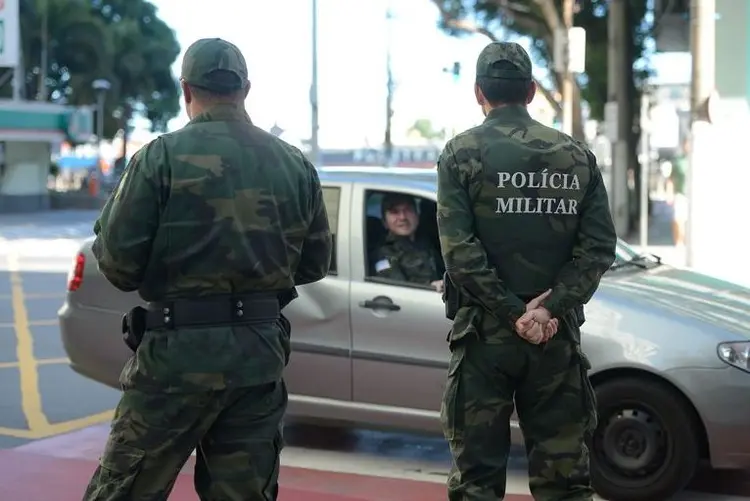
pixel 451 297
pixel 580 316
pixel 286 297
pixel 134 327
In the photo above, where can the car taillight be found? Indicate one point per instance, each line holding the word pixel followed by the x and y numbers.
pixel 75 277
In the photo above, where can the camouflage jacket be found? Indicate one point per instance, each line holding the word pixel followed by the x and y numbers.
pixel 404 259
pixel 217 207
pixel 522 208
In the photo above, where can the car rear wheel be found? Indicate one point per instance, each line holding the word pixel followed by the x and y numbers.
pixel 646 447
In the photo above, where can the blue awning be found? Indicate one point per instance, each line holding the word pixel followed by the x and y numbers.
pixel 76 163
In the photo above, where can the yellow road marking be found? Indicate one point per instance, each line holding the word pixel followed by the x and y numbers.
pixel 43 361
pixel 27 365
pixel 58 428
pixel 75 424
pixel 31 399
pixel 32 323
pixel 15 433
pixel 41 295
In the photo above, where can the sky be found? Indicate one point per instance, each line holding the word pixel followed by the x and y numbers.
pixel 276 39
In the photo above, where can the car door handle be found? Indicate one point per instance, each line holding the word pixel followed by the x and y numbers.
pixel 380 303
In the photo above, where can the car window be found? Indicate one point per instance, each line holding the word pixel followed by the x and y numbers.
pixel 332 200
pixel 375 232
pixel 623 252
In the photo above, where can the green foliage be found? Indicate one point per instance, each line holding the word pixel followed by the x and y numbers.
pixel 505 18
pixel 123 41
pixel 426 129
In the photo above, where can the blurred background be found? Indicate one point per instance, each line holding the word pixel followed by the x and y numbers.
pixel 387 83
pixel 658 89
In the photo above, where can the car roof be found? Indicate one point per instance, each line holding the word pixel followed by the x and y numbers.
pixel 404 177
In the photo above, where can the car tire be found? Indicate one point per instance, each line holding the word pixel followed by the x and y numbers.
pixel 646 446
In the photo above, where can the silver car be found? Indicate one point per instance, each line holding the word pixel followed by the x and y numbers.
pixel 669 347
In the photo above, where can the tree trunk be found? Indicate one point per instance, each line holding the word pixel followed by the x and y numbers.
pixel 127 114
pixel 578 122
pixel 553 22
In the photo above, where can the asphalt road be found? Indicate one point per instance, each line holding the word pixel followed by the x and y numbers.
pixel 40 396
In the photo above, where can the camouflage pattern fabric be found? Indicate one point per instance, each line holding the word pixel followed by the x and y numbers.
pixel 219 207
pixel 522 208
pixel 556 409
pixel 236 434
pixel 504 51
pixel 215 65
pixel 407 260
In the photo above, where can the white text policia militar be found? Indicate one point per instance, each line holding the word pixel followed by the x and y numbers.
pixel 538 205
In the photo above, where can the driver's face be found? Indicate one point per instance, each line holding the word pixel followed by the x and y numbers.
pixel 401 220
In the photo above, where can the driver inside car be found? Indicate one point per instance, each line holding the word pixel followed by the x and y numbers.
pixel 404 256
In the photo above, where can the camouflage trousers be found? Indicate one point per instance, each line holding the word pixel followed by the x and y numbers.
pixel 236 434
pixel 556 409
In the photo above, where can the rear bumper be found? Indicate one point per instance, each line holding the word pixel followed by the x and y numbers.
pixel 93 342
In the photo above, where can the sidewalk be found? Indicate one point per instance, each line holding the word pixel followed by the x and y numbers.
pixel 660 239
pixel 58 469
pixel 722 263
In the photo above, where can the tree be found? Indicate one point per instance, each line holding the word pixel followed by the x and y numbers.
pixel 123 41
pixel 145 48
pixel 78 45
pixel 426 129
pixel 539 19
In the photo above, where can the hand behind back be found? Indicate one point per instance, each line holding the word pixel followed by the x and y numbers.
pixel 536 326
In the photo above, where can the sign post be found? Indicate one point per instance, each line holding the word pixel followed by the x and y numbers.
pixel 10 42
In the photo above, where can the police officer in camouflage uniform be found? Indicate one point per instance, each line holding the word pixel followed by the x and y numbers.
pixel 404 256
pixel 214 225
pixel 526 234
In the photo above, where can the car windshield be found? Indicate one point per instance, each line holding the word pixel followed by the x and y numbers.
pixel 625 252
pixel 626 257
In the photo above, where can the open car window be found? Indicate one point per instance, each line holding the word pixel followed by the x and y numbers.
pixel 375 231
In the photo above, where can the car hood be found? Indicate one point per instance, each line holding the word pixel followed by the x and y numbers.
pixel 687 294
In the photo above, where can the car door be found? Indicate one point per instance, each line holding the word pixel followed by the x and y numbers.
pixel 399 349
pixel 320 365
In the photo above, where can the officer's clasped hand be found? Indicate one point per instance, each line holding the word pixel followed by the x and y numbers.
pixel 536 325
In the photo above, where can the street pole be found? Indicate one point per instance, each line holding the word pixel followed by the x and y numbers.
pixel 567 79
pixel 617 98
pixel 702 84
pixel 314 144
pixel 645 167
pixel 100 97
pixel 19 73
pixel 44 56
pixel 388 143
pixel 100 86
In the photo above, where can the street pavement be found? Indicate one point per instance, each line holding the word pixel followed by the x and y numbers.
pixel 55 421
pixel 39 395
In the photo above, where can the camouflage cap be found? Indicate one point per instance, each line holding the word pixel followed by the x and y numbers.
pixel 215 65
pixel 393 200
pixel 510 52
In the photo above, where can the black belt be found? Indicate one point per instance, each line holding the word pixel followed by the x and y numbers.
pixel 212 311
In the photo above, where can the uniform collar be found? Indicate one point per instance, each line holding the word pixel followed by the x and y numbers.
pixel 508 112
pixel 392 237
pixel 399 240
pixel 223 113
